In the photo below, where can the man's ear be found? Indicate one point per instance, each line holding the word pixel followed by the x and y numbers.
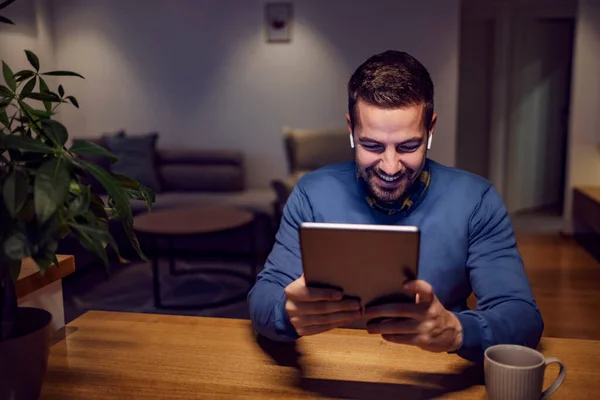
pixel 348 123
pixel 432 124
pixel 350 130
pixel 431 130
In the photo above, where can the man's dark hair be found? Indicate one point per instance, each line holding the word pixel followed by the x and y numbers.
pixel 392 79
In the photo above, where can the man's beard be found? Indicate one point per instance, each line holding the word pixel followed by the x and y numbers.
pixel 387 194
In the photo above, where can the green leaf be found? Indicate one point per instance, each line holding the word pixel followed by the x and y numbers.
pixel 87 148
pixel 97 207
pixel 4 118
pixel 16 247
pixel 114 190
pixel 25 143
pixel 6 20
pixel 44 97
pixel 134 240
pixel 15 192
pixel 56 132
pixel 95 232
pixel 62 73
pixel 51 187
pixel 5 92
pixel 9 77
pixel 42 114
pixel 24 74
pixel 79 204
pixel 6 3
pixel 44 89
pixel 28 88
pixel 14 269
pixel 27 213
pixel 61 91
pixel 43 263
pixel 93 239
pixel 73 101
pixel 33 59
pixel 143 194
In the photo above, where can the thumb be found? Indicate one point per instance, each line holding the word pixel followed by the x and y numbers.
pixel 421 289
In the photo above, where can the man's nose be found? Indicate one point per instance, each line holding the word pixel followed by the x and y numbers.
pixel 390 162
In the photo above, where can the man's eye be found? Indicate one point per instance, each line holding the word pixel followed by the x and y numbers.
pixel 408 149
pixel 371 147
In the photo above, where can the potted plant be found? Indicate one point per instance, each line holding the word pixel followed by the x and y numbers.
pixel 43 198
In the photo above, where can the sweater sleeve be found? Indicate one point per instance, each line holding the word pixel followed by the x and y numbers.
pixel 506 310
pixel 283 266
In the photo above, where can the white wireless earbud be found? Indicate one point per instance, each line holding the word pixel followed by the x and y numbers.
pixel 429 141
pixel 351 141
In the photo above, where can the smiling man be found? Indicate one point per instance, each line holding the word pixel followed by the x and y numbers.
pixel 467 241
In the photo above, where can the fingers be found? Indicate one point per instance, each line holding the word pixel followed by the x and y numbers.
pixel 424 341
pixel 294 308
pixel 338 319
pixel 397 310
pixel 412 339
pixel 316 329
pixel 396 326
pixel 298 291
pixel 422 289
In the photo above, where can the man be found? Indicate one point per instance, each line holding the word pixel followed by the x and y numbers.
pixel 467 241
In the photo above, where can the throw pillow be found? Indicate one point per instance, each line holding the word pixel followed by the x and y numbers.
pixel 137 158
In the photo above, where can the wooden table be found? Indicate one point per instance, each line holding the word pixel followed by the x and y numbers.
pixel 45 291
pixel 196 222
pixel 109 355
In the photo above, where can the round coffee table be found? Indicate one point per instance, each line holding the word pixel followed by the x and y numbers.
pixel 195 221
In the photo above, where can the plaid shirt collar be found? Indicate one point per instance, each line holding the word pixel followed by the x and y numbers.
pixel 408 200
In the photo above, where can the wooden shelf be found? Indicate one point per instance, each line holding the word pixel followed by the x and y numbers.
pixel 30 278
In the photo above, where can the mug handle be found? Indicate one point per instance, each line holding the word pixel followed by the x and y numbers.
pixel 559 379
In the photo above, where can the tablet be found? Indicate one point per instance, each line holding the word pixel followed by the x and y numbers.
pixel 369 262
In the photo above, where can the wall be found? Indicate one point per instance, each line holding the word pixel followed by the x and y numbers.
pixel 540 77
pixel 201 73
pixel 32 31
pixel 528 86
pixel 583 163
pixel 474 105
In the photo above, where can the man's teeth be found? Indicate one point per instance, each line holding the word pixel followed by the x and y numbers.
pixel 388 178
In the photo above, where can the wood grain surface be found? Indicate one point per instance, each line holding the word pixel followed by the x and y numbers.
pixel 31 279
pixel 110 355
pixel 192 220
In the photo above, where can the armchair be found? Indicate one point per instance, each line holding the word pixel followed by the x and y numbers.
pixel 307 150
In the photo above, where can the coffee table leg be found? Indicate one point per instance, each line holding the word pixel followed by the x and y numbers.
pixel 253 249
pixel 171 256
pixel 155 273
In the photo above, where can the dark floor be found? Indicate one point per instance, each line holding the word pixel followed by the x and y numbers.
pixel 129 288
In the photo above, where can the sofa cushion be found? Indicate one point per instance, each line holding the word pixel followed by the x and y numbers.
pixel 199 157
pixel 254 200
pixel 137 158
pixel 201 178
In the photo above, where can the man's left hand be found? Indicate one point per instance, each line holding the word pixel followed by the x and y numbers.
pixel 425 323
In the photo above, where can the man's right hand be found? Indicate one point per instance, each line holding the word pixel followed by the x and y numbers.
pixel 316 310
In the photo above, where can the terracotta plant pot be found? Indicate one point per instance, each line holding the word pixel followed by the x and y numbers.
pixel 23 359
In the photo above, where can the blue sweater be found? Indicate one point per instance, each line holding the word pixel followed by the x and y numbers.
pixel 467 245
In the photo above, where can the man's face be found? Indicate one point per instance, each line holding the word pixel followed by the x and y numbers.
pixel 390 148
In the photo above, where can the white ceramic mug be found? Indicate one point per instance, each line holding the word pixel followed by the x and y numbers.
pixel 515 372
